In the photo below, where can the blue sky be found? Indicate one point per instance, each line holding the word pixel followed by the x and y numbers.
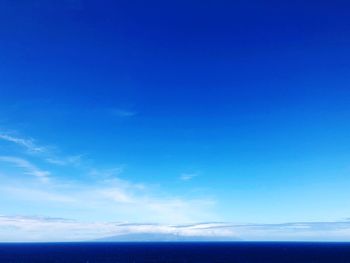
pixel 175 112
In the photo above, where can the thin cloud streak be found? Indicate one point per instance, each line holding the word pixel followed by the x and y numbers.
pixel 188 176
pixel 69 160
pixel 123 200
pixel 37 194
pixel 123 113
pixel 44 152
pixel 28 167
pixel 17 228
pixel 28 144
pixel 103 191
pixel 24 228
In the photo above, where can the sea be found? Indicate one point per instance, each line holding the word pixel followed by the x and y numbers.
pixel 235 252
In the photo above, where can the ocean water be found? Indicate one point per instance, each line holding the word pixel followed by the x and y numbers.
pixel 240 252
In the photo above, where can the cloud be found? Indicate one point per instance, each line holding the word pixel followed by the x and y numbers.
pixel 117 195
pixel 107 173
pixel 108 199
pixel 28 167
pixel 188 176
pixel 29 228
pixel 67 160
pixel 32 194
pixel 137 199
pixel 28 144
pixel 298 231
pixel 98 194
pixel 46 153
pixel 123 113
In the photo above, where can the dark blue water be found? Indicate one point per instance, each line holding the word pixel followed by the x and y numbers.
pixel 239 252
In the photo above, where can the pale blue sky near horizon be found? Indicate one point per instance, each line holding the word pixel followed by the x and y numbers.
pixel 175 112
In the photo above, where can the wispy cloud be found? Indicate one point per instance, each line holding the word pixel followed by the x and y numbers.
pixel 66 160
pixel 99 192
pixel 32 194
pixel 44 152
pixel 107 173
pixel 24 228
pixel 297 231
pixel 28 167
pixel 28 144
pixel 109 198
pixel 188 176
pixel 115 198
pixel 123 113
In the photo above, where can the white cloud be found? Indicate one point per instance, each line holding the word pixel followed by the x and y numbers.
pixel 104 192
pixel 108 174
pixel 67 160
pixel 99 194
pixel 188 176
pixel 44 152
pixel 109 199
pixel 28 167
pixel 117 195
pixel 143 201
pixel 298 231
pixel 33 194
pixel 28 144
pixel 123 113
pixel 24 229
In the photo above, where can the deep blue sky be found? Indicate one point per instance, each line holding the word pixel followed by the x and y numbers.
pixel 237 109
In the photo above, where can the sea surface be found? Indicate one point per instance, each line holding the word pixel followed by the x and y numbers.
pixel 240 252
